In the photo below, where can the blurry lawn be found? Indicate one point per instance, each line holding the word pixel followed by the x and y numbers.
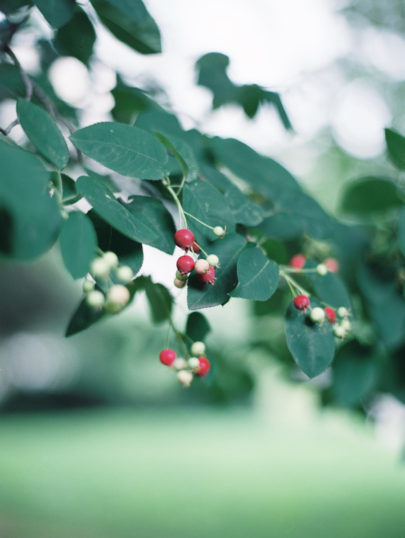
pixel 194 473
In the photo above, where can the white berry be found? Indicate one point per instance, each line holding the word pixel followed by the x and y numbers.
pixel 201 267
pixel 219 231
pixel 213 260
pixel 118 296
pixel 111 258
pixel 346 325
pixel 317 315
pixel 185 377
pixel 322 269
pixel 342 312
pixel 198 349
pixel 100 268
pixel 339 331
pixel 194 363
pixel 95 299
pixel 88 286
pixel 179 363
pixel 125 274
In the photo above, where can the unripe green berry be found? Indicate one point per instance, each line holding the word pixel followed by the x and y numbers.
pixel 317 315
pixel 125 274
pixel 100 268
pixel 213 260
pixel 219 231
pixel 180 276
pixel 88 286
pixel 194 363
pixel 342 312
pixel 185 377
pixel 95 299
pixel 179 283
pixel 322 269
pixel 111 258
pixel 198 349
pixel 179 363
pixel 117 297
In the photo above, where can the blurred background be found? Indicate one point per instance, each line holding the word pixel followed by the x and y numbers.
pixel 96 438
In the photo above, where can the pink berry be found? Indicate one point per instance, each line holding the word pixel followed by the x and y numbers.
pixel 167 356
pixel 208 277
pixel 201 267
pixel 298 261
pixel 184 238
pixel 332 264
pixel 185 264
pixel 301 302
pixel 196 248
pixel 330 314
pixel 204 368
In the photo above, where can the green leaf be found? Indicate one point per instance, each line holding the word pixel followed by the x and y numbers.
pixel 257 276
pixel 11 82
pixel 355 374
pixel 83 317
pixel 70 196
pixel 78 244
pixel 125 149
pixel 128 251
pixel 129 101
pixel 43 133
pixel 401 230
pixel 212 74
pixel 77 37
pixel 330 288
pixel 56 12
pixel 159 298
pixel 159 120
pixel 396 148
pixel 207 295
pixel 207 204
pixel 311 344
pixel 32 217
pixel 144 219
pixel 129 21
pixel 183 153
pixel 197 326
pixel 370 195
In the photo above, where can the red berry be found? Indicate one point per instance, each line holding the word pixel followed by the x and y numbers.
pixel 208 277
pixel 330 314
pixel 167 356
pixel 204 368
pixel 332 264
pixel 301 302
pixel 196 248
pixel 298 261
pixel 185 264
pixel 184 238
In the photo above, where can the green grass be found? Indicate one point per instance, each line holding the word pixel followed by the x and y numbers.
pixel 195 474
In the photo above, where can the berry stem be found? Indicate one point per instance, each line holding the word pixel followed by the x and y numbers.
pixel 202 250
pixel 166 183
pixel 200 221
pixel 293 284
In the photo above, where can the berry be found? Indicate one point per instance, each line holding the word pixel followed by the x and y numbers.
pixel 342 312
pixel 180 276
pixel 180 363
pixel 321 269
pixel 88 285
pixel 117 297
pixel 213 260
pixel 196 248
pixel 194 363
pixel 167 356
pixel 219 231
pixel 201 267
pixel 179 283
pixel 346 325
pixel 198 349
pixel 111 258
pixel 298 261
pixel 204 368
pixel 125 274
pixel 184 238
pixel 339 331
pixel 100 268
pixel 209 277
pixel 185 377
pixel 330 314
pixel 301 302
pixel 185 264
pixel 317 315
pixel 95 299
pixel 332 264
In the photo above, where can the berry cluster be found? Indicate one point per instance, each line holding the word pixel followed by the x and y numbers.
pixel 204 268
pixel 341 328
pixel 330 264
pixel 196 365
pixel 109 295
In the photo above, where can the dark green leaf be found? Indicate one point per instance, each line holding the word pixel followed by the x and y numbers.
pixel 82 318
pixel 311 344
pixel 129 101
pixel 401 230
pixel 43 133
pixel 329 288
pixel 183 153
pixel 77 37
pixel 125 149
pixel 396 148
pixel 370 195
pixel 212 74
pixel 257 276
pixel 130 22
pixel 197 326
pixel 78 244
pixel 56 12
pixel 70 196
pixel 11 83
pixel 159 120
pixel 103 179
pixel 206 295
pixel 159 298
